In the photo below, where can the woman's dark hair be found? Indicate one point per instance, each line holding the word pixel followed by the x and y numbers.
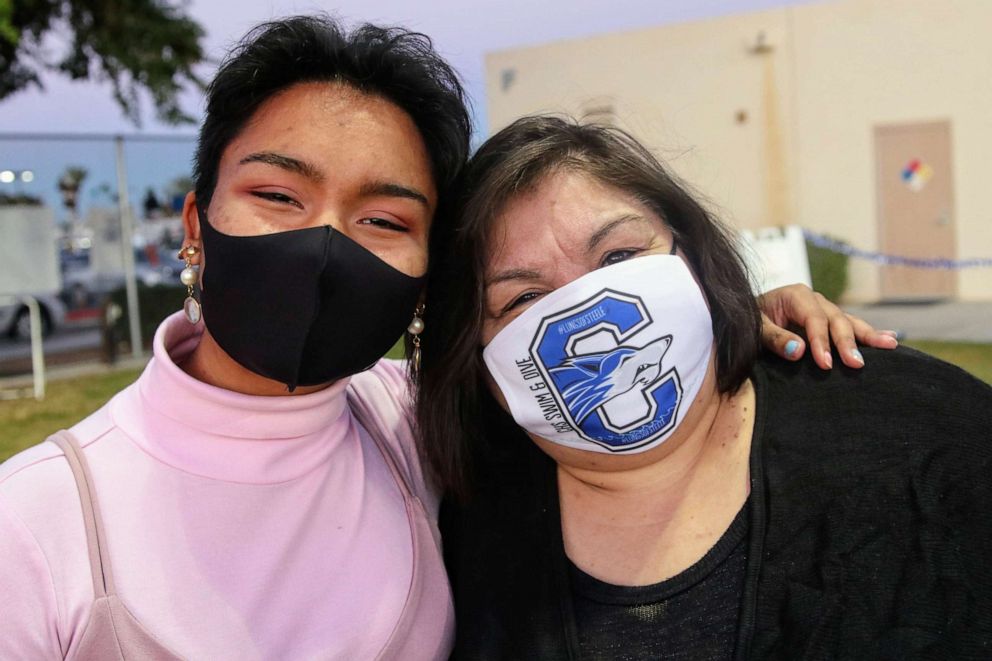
pixel 392 63
pixel 453 399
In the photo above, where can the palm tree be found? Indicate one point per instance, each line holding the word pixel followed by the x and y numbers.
pixel 69 184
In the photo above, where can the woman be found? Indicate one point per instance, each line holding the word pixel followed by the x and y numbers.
pixel 245 498
pixel 667 492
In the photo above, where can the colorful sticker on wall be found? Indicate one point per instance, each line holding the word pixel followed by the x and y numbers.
pixel 916 174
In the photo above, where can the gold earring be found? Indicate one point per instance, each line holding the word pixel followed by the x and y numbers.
pixel 415 328
pixel 189 276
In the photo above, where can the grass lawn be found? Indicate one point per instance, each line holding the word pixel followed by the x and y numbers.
pixel 26 422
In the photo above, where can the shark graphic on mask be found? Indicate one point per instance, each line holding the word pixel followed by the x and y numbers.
pixel 590 381
pixel 608 362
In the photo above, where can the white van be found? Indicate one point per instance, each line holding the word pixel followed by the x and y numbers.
pixel 29 265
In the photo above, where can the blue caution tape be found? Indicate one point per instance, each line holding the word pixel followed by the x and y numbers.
pixel 821 241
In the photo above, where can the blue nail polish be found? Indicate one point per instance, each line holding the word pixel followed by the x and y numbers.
pixel 791 347
pixel 857 355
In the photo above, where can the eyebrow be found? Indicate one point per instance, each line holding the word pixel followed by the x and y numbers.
pixel 315 174
pixel 512 274
pixel 288 163
pixel 605 230
pixel 390 189
pixel 594 240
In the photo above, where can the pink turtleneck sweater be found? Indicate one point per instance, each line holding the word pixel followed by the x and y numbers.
pixel 239 527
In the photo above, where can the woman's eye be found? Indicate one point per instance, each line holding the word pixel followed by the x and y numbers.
pixel 521 300
pixel 384 224
pixel 273 196
pixel 617 256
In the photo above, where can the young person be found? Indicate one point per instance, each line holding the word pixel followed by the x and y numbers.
pixel 253 501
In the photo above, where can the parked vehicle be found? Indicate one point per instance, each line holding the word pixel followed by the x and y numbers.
pixel 28 253
pixel 15 321
pixel 84 286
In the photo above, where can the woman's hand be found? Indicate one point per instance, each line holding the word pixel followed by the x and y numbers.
pixel 798 305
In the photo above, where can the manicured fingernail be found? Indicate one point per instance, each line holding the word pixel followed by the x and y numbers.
pixel 857 356
pixel 791 347
pixel 828 359
pixel 890 333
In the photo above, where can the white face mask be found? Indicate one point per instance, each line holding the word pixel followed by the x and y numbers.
pixel 610 362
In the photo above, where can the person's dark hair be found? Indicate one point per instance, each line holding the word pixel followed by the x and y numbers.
pixel 392 63
pixel 453 398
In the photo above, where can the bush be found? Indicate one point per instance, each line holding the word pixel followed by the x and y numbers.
pixel 828 270
pixel 154 304
pixel 20 199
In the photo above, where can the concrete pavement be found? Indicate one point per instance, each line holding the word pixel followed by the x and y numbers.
pixel 956 321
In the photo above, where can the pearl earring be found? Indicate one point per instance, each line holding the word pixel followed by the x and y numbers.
pixel 415 328
pixel 188 277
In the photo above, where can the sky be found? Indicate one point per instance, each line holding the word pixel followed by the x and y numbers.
pixel 462 30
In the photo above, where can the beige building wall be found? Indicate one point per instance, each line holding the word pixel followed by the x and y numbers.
pixel 771 115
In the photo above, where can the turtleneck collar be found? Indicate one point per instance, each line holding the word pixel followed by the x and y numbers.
pixel 217 433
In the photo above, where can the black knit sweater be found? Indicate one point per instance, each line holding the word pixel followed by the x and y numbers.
pixel 870 536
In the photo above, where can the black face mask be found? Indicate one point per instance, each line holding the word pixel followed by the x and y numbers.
pixel 302 307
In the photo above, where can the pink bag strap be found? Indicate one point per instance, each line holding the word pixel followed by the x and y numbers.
pixel 103 581
pixel 364 416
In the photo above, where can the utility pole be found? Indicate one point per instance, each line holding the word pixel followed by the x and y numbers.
pixel 127 249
